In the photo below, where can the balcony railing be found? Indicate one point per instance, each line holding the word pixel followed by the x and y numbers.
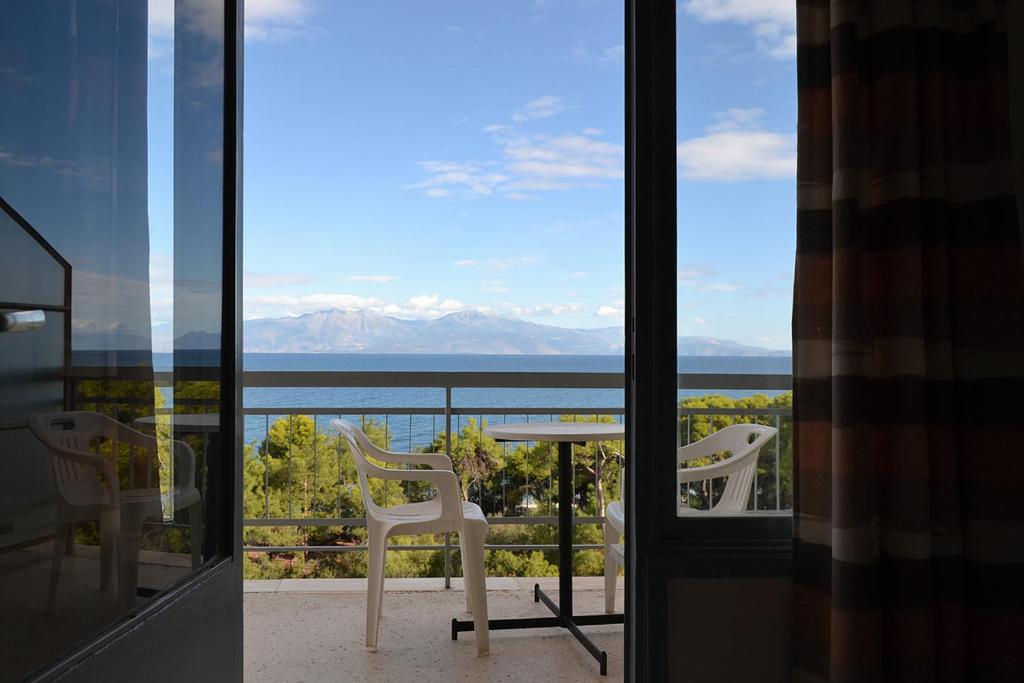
pixel 415 427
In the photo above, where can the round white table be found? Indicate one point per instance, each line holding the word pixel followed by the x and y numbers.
pixel 565 434
pixel 197 423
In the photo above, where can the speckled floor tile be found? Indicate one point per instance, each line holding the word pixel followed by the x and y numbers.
pixel 313 636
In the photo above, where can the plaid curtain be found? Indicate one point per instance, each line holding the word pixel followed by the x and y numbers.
pixel 908 347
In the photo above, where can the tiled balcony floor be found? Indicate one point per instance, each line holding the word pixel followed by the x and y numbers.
pixel 312 630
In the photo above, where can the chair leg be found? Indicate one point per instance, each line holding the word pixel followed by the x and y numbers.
pixel 109 525
pixel 129 537
pixel 69 539
pixel 465 580
pixel 56 558
pixel 476 580
pixel 374 588
pixel 611 568
pixel 195 533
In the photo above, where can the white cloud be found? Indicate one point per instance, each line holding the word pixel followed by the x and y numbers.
pixel 736 118
pixel 266 280
pixel 275 19
pixel 735 148
pixel 772 22
pixel 578 275
pixel 272 306
pixel 544 310
pixel 264 20
pixel 451 305
pixel 424 306
pixel 722 287
pixel 543 162
pixel 468 177
pixel 423 301
pixel 690 274
pixel 373 278
pixel 161 18
pixel 161 287
pixel 609 55
pixel 530 162
pixel 420 307
pixel 699 321
pixel 616 310
pixel 540 108
pixel 497 264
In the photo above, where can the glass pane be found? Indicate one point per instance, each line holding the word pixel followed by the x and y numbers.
pixel 736 123
pixel 31 275
pixel 463 214
pixel 111 139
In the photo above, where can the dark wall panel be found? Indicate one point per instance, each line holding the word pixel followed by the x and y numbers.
pixel 194 636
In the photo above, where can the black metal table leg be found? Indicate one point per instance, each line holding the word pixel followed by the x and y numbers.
pixel 562 610
pixel 565 529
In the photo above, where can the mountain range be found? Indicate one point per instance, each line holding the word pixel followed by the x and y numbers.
pixel 466 332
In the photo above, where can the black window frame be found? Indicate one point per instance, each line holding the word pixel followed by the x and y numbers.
pixel 660 545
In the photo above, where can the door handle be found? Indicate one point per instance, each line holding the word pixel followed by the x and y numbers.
pixel 22 321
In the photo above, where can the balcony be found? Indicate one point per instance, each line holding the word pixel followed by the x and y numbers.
pixel 304 538
pixel 297 478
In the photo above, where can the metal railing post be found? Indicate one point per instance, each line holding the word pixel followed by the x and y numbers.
pixel 778 444
pixel 448 452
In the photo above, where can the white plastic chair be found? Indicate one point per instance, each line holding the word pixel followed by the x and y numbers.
pixel 614 551
pixel 743 443
pixel 72 439
pixel 445 512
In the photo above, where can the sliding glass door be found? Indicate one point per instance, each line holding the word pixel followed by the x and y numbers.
pixel 712 193
pixel 118 264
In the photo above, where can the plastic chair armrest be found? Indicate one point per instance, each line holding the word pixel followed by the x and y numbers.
pixel 445 480
pixel 722 468
pixel 436 461
pixel 97 462
pixel 134 437
pixel 184 456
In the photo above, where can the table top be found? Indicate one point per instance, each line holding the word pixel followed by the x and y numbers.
pixel 194 422
pixel 556 431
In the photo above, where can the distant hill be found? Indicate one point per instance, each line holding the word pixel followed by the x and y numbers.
pixel 347 331
pixel 468 332
pixel 709 346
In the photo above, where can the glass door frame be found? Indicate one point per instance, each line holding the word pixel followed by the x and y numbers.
pixel 200 617
pixel 660 545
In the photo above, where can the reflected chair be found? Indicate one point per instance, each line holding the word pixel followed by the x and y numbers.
pixel 446 512
pixel 739 445
pixel 88 489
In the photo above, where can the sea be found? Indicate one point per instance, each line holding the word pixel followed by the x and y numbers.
pixel 415 431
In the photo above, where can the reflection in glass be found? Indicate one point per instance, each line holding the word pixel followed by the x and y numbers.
pixel 111 177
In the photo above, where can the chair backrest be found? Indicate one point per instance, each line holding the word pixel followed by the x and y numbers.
pixel 359 445
pixel 743 442
pixel 67 434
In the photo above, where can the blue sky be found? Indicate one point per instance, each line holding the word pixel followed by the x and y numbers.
pixel 416 158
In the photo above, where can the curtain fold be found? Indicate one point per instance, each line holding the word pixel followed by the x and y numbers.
pixel 908 327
